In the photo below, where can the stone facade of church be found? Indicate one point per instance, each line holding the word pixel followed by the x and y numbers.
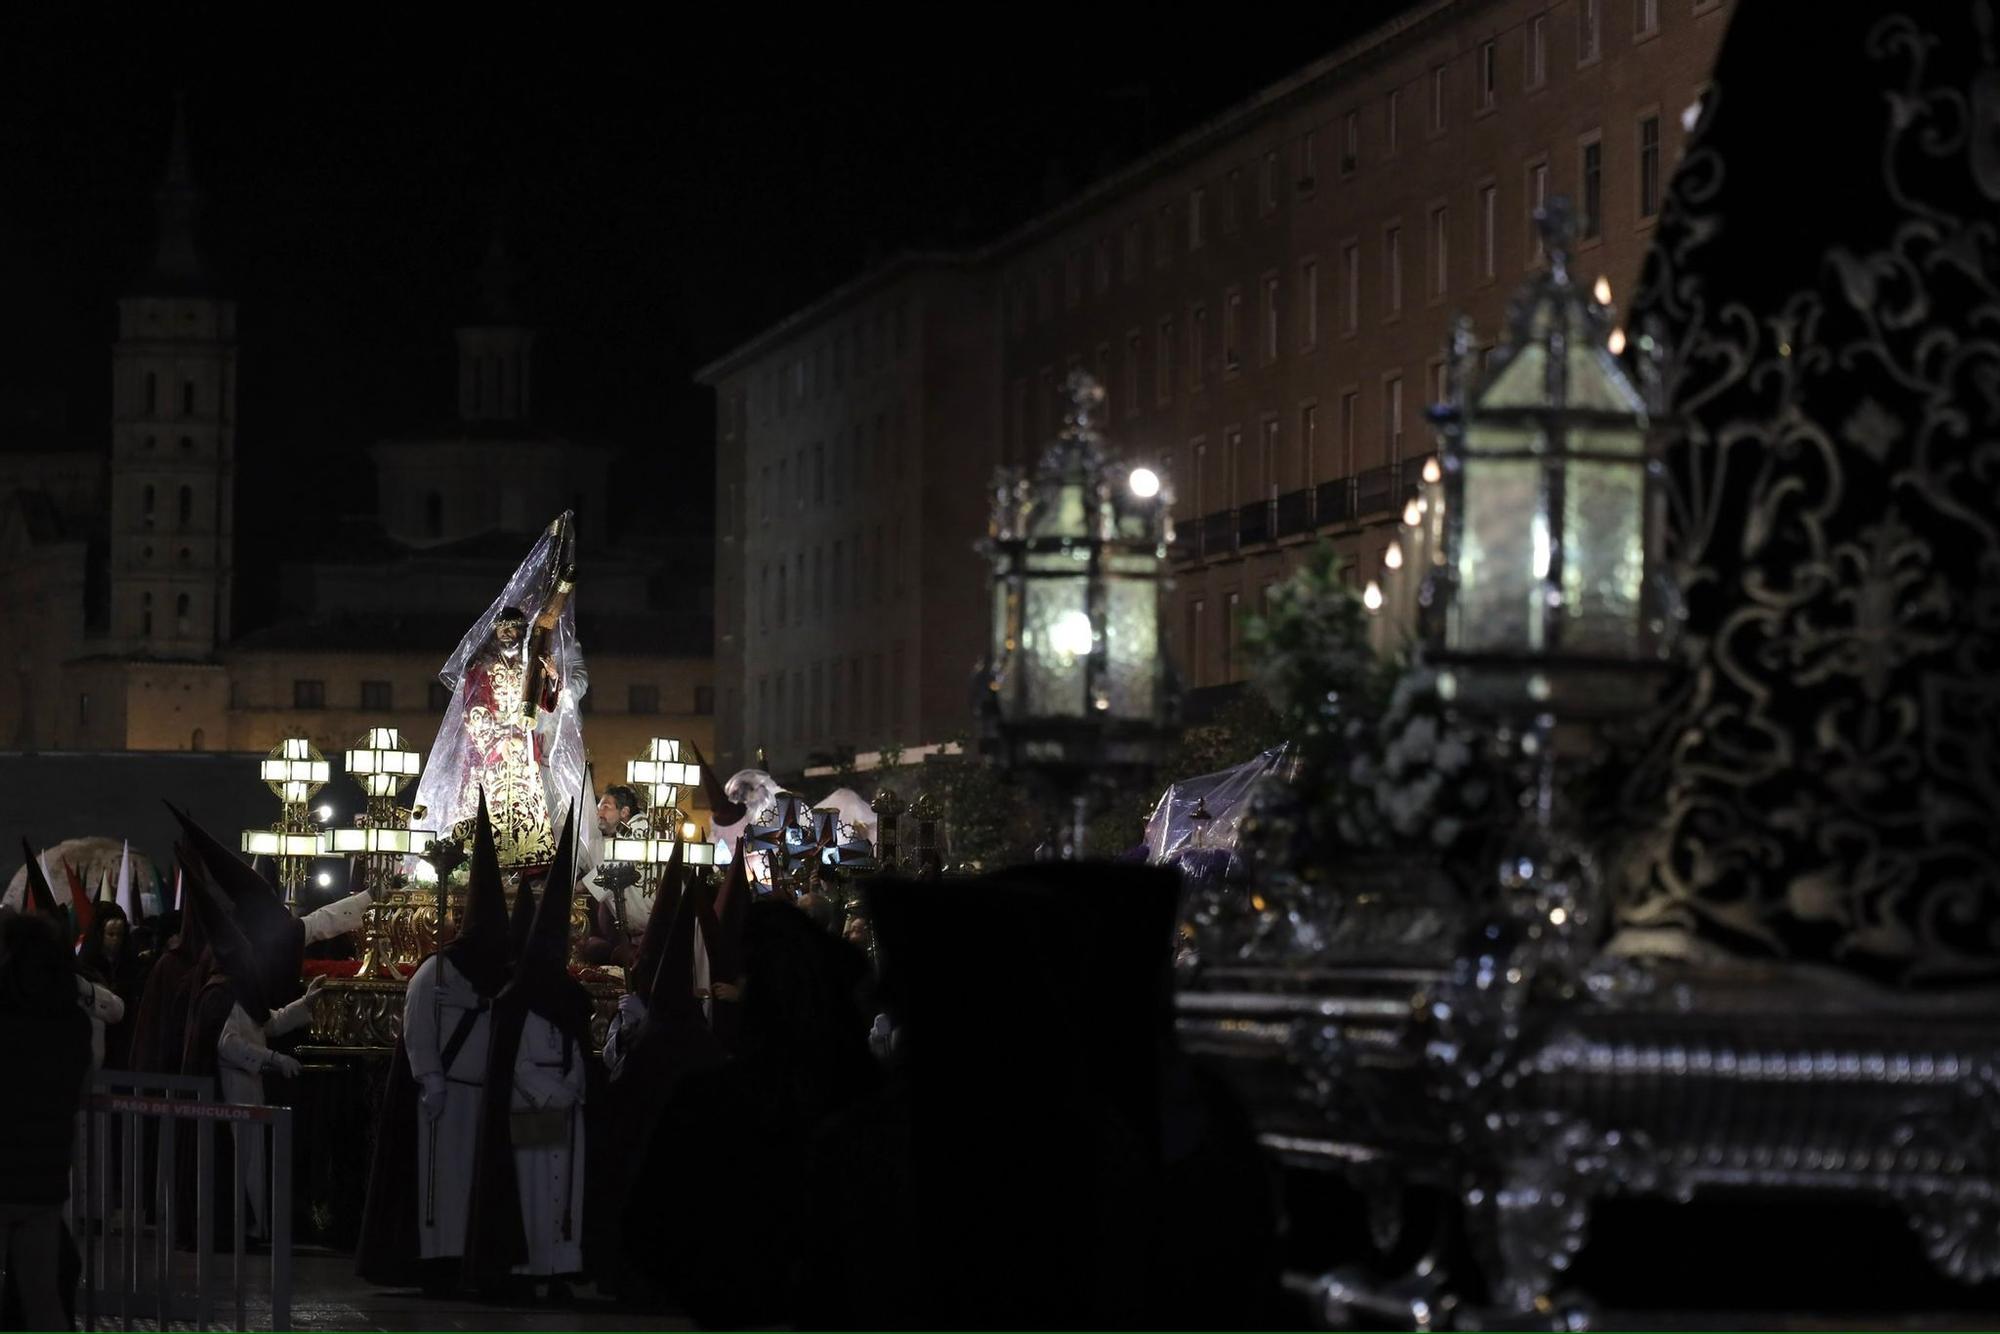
pixel 118 574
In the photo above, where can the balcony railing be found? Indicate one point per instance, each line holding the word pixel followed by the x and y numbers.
pixel 1333 502
pixel 1253 523
pixel 1374 491
pixel 1364 495
pixel 1294 513
pixel 1218 533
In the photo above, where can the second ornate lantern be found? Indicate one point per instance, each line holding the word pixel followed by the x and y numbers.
pixel 1075 690
pixel 1547 591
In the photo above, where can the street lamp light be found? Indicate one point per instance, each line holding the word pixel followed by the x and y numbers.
pixel 295 771
pixel 1075 690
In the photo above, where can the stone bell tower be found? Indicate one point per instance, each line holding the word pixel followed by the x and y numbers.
pixel 173 442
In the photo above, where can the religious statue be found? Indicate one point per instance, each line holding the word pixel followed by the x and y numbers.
pixel 513 729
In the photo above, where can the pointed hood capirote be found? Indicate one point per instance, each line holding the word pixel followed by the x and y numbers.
pixel 721 810
pixel 277 938
pixel 495 1239
pixel 234 954
pixel 520 920
pixel 480 949
pixel 641 980
pixel 732 908
pixel 36 896
pixel 193 940
pixel 541 974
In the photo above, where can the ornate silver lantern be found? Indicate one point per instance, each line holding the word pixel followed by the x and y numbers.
pixel 1075 691
pixel 1547 591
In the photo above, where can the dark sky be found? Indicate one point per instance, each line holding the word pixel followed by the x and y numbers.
pixel 669 190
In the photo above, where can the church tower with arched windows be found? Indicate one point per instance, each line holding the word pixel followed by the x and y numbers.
pixel 493 468
pixel 173 443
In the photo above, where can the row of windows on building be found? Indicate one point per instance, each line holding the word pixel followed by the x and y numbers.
pixel 1177 224
pixel 1182 346
pixel 863 348
pixel 856 461
pixel 796 591
pixel 380 697
pixel 149 506
pixel 1211 647
pixel 834 701
pixel 1222 474
pixel 183 610
pixel 153 398
pixel 184 556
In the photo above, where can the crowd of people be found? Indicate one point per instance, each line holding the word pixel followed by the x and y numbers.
pixel 200 990
pixel 974 1127
pixel 772 1119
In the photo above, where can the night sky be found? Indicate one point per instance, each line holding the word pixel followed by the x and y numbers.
pixel 667 192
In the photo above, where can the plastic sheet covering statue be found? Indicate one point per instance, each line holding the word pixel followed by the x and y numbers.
pixel 526 754
pixel 1206 812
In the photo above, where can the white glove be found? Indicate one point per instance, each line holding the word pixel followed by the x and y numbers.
pixel 280 1064
pixel 433 1096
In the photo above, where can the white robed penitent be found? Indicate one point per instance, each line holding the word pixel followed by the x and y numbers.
pixel 439 999
pixel 549 1077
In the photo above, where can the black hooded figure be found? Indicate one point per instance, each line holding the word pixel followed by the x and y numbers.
pixel 1044 1155
pixel 420 1175
pixel 223 982
pixel 659 1037
pixel 158 1030
pixel 45 1046
pixel 732 1147
pixel 528 1201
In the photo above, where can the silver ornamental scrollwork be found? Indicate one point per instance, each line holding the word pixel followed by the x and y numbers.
pixel 1832 790
pixel 1531 1215
pixel 1953 1200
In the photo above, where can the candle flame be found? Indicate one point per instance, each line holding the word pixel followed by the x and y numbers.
pixel 1413 513
pixel 1393 557
pixel 1617 342
pixel 1602 291
pixel 1371 597
pixel 1432 473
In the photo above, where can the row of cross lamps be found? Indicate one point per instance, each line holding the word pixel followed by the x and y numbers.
pixel 296 771
pixel 384 833
pixel 1530 562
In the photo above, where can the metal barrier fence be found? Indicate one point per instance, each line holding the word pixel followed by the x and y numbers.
pixel 133 1269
